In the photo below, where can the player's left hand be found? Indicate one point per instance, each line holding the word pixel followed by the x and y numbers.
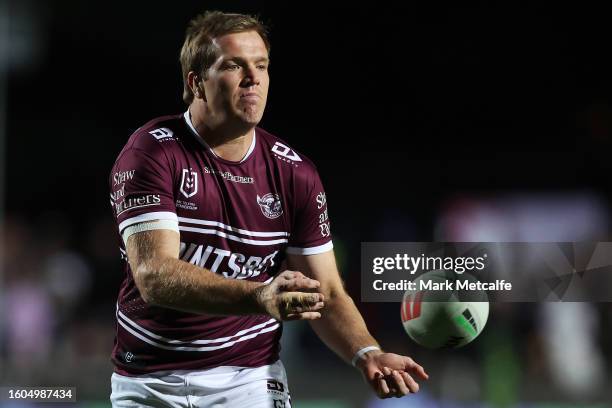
pixel 391 375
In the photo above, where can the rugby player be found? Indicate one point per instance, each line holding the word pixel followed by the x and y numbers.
pixel 209 208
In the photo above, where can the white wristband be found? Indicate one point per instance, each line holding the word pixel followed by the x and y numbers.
pixel 361 353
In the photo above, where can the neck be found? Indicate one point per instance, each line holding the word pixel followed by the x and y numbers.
pixel 228 141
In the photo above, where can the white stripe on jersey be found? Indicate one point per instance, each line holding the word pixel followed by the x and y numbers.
pixel 140 333
pixel 233 229
pixel 312 250
pixel 157 215
pixel 208 341
pixel 224 345
pixel 233 237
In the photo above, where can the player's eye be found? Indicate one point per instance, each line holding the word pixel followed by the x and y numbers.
pixel 232 67
pixel 262 67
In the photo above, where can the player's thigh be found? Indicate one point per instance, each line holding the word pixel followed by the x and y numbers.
pixel 261 387
pixel 270 393
pixel 128 392
pixel 257 394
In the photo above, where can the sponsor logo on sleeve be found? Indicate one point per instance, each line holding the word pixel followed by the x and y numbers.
pixel 321 200
pixel 270 205
pixel 117 194
pixel 189 183
pixel 323 217
pixel 285 153
pixel 122 177
pixel 134 201
pixel 324 227
pixel 161 133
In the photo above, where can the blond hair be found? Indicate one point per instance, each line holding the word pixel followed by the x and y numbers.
pixel 198 52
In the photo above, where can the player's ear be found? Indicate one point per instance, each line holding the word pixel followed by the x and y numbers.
pixel 196 85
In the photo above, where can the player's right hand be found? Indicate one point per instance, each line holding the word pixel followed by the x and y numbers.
pixel 291 296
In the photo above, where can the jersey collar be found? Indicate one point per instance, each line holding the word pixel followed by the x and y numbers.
pixel 187 117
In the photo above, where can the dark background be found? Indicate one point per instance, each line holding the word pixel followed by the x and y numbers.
pixel 403 109
pixel 490 97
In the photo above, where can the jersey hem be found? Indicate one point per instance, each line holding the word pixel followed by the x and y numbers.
pixel 143 373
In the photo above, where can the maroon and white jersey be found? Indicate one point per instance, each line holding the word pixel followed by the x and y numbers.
pixel 237 219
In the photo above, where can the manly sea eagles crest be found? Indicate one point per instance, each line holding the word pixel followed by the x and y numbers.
pixel 270 205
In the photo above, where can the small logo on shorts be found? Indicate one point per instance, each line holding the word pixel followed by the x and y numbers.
pixel 129 357
pixel 274 385
pixel 270 205
pixel 277 389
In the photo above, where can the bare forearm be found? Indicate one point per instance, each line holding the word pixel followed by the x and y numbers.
pixel 179 285
pixel 342 328
pixel 166 281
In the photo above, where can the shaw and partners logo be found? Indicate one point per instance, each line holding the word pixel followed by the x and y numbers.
pixel 123 176
pixel 189 183
pixel 134 201
pixel 270 205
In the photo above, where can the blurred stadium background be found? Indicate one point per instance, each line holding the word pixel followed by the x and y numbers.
pixel 466 123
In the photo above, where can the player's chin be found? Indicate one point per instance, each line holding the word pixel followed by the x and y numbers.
pixel 251 116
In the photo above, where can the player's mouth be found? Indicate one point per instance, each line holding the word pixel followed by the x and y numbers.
pixel 250 97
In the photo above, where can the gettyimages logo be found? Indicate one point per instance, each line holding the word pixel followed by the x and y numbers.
pixel 189 183
pixel 413 264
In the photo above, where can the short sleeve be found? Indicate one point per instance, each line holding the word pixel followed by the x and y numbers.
pixel 311 233
pixel 141 185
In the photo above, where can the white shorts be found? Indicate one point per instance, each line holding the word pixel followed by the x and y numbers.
pixel 228 386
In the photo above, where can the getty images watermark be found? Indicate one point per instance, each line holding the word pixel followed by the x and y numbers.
pixel 506 272
pixel 414 264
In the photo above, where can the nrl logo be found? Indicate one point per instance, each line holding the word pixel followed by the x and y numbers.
pixel 270 205
pixel 189 183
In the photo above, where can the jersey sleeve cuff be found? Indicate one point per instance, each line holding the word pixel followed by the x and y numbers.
pixel 152 216
pixel 310 250
pixel 149 226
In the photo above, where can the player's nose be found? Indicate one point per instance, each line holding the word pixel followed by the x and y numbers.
pixel 251 77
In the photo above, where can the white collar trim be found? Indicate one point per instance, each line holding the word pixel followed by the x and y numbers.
pixel 187 117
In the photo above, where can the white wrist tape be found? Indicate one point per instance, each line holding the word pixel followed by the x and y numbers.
pixel 361 353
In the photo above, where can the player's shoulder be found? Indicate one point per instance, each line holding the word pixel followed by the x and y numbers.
pixel 157 140
pixel 282 152
pixel 161 132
